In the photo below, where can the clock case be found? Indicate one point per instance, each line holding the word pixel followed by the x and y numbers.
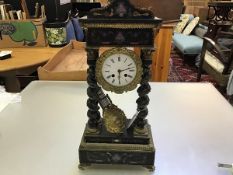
pixel 119 24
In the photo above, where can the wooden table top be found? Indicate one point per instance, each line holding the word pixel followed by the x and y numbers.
pixel 27 57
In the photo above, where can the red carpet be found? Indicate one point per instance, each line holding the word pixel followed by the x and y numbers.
pixel 180 72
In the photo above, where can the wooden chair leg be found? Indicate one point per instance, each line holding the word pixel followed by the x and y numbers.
pixel 230 99
pixel 199 74
pixel 200 67
pixel 203 51
pixel 11 82
pixel 183 57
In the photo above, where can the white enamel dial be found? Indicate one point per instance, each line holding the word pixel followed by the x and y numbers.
pixel 119 70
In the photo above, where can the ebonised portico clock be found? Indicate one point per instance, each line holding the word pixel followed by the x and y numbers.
pixel 112 137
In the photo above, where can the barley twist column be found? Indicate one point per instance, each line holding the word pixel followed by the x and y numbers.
pixel 92 102
pixel 144 89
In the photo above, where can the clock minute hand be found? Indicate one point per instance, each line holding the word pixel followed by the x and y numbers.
pixel 126 69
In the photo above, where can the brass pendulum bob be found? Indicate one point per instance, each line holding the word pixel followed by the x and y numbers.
pixel 114 118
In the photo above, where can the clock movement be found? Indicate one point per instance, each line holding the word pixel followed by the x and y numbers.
pixel 112 137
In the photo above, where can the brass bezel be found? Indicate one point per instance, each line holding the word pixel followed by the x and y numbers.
pixel 118 89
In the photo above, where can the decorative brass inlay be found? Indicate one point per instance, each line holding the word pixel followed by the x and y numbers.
pixel 118 89
pixel 122 26
pixel 114 119
pixel 119 147
pixel 93 131
pixel 140 131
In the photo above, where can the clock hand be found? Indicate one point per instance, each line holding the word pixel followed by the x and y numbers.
pixel 119 76
pixel 126 69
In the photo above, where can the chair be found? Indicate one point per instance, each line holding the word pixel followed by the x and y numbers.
pixel 217 58
pixel 230 88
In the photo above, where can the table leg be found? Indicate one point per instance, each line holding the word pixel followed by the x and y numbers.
pixel 11 82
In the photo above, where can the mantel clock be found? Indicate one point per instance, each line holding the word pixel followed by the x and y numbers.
pixel 112 137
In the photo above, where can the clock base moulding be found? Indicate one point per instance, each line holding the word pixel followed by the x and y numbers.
pixel 129 136
pixel 125 149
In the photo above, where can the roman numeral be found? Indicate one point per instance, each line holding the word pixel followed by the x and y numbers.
pixel 113 81
pixel 130 76
pixel 119 59
pixel 112 60
pixel 132 70
pixel 109 76
pixel 125 60
pixel 130 64
pixel 108 65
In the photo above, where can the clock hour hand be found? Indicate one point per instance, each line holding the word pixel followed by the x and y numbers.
pixel 119 76
pixel 126 69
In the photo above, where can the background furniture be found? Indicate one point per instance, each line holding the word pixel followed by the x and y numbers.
pixel 220 17
pixel 217 60
pixel 55 11
pixel 190 45
pixel 160 59
pixel 201 12
pixel 24 61
pixel 30 4
pixel 166 9
pixel 53 8
pixel 68 64
pixel 84 7
pixel 41 134
pixel 192 6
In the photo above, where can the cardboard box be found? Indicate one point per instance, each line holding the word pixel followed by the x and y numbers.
pixel 22 33
pixel 201 12
pixel 69 64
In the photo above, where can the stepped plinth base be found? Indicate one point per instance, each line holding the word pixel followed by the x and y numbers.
pixel 118 151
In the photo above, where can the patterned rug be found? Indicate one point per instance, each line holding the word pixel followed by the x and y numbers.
pixel 187 72
pixel 180 72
